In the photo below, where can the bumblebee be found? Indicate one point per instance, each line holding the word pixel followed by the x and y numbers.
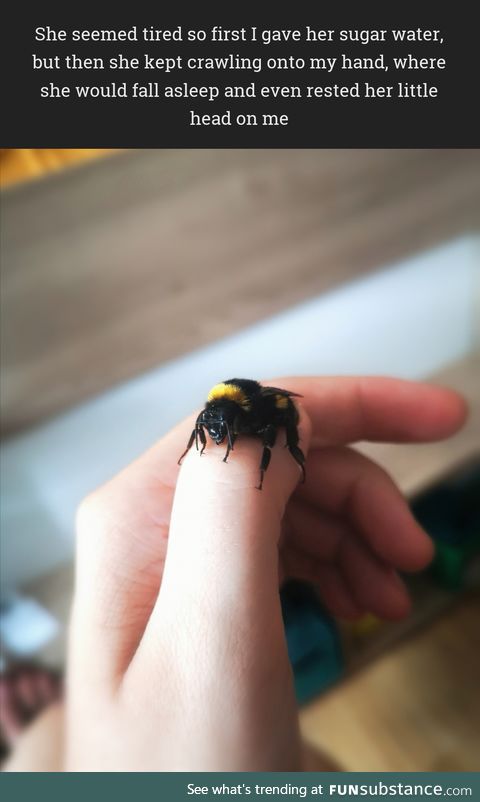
pixel 243 406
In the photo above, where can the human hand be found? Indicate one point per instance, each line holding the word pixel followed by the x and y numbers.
pixel 178 658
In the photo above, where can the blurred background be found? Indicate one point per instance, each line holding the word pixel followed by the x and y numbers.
pixel 132 281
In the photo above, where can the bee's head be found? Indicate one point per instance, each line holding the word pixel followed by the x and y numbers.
pixel 216 419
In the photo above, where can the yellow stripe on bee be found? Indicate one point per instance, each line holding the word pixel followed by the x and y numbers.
pixel 281 401
pixel 228 392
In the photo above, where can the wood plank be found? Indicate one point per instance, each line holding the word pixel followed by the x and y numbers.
pixel 416 709
pixel 114 268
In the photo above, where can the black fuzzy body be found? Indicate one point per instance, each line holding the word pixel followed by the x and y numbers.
pixel 243 406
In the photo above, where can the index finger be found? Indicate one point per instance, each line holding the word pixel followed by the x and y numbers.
pixel 344 409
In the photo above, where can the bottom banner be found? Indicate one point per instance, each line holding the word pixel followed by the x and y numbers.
pixel 252 786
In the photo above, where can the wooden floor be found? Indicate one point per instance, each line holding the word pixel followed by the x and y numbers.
pixel 415 709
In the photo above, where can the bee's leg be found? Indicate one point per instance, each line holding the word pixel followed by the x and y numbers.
pixel 292 442
pixel 229 448
pixel 268 439
pixel 231 437
pixel 193 437
pixel 203 439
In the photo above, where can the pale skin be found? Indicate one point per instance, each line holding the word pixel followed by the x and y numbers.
pixel 177 656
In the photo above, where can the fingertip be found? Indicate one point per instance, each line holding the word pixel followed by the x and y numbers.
pixel 448 411
pixel 375 587
pixel 421 554
pixel 336 594
pixel 392 601
pixel 391 530
pixel 410 548
pixel 397 603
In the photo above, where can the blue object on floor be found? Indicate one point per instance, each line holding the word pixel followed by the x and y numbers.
pixel 450 513
pixel 312 640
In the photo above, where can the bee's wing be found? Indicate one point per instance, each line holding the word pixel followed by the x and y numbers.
pixel 266 391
